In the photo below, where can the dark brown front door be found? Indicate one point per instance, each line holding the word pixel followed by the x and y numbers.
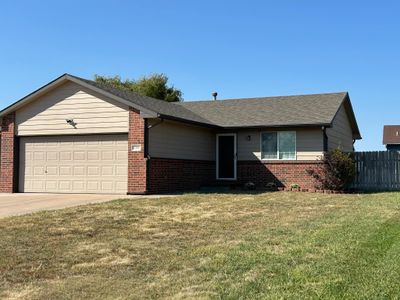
pixel 226 156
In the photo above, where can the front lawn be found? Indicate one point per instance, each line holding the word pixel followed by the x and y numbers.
pixel 273 245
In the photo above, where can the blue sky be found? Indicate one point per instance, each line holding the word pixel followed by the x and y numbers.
pixel 238 48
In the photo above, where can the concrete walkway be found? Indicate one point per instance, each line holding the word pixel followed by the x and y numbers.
pixel 24 203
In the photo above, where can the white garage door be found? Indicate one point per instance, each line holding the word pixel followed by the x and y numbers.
pixel 74 164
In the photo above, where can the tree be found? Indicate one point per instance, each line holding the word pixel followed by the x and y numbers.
pixel 154 85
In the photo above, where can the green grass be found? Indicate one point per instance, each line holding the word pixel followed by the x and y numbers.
pixel 274 245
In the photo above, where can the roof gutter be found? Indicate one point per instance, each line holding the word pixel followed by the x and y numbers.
pixel 326 125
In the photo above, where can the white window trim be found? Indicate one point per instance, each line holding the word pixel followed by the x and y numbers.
pixel 277 148
pixel 217 158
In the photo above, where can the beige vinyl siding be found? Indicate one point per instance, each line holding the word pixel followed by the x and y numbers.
pixel 340 135
pixel 92 113
pixel 309 144
pixel 182 141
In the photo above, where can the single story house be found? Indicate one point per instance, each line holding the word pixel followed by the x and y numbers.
pixel 391 137
pixel 77 136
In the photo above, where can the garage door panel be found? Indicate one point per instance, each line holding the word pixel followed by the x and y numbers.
pixel 122 155
pixel 38 185
pixel 65 171
pixel 52 170
pixel 78 185
pixel 93 171
pixel 121 171
pixel 52 156
pixel 92 186
pixel 107 170
pixel 64 185
pixel 51 185
pixel 93 155
pixel 119 185
pixel 74 164
pixel 107 185
pixel 79 155
pixel 107 155
pixel 38 170
pixel 65 155
pixel 39 155
pixel 79 171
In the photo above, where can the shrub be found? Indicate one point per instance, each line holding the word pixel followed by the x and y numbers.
pixel 336 172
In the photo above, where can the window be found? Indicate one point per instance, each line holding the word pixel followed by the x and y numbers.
pixel 278 145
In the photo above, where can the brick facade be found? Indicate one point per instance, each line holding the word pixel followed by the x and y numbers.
pixel 174 175
pixel 137 161
pixel 7 152
pixel 282 173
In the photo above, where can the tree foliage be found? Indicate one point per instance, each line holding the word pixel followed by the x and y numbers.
pixel 336 172
pixel 154 85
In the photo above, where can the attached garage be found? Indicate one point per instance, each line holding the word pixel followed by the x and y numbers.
pixel 74 164
pixel 69 138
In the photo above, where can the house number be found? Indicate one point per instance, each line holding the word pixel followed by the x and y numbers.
pixel 136 147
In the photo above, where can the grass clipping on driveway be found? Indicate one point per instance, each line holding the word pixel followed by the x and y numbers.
pixel 273 245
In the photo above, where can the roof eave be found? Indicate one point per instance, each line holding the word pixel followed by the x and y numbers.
pixel 182 120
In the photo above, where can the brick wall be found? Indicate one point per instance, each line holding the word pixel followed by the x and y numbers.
pixel 7 154
pixel 137 166
pixel 283 174
pixel 173 175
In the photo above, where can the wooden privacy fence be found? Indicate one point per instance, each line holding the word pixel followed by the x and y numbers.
pixel 377 170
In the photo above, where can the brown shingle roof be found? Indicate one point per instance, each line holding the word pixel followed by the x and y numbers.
pixel 301 110
pixel 391 134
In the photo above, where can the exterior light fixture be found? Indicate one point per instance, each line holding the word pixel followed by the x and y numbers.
pixel 71 122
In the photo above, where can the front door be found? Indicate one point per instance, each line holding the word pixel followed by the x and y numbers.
pixel 226 156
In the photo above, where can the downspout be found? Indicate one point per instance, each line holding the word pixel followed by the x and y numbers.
pixel 325 139
pixel 146 154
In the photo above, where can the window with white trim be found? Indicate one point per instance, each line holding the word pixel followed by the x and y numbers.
pixel 279 145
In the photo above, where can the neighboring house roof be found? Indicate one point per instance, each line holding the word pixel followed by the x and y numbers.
pixel 391 134
pixel 287 111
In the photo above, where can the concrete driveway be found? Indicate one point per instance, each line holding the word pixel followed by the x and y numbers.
pixel 19 204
